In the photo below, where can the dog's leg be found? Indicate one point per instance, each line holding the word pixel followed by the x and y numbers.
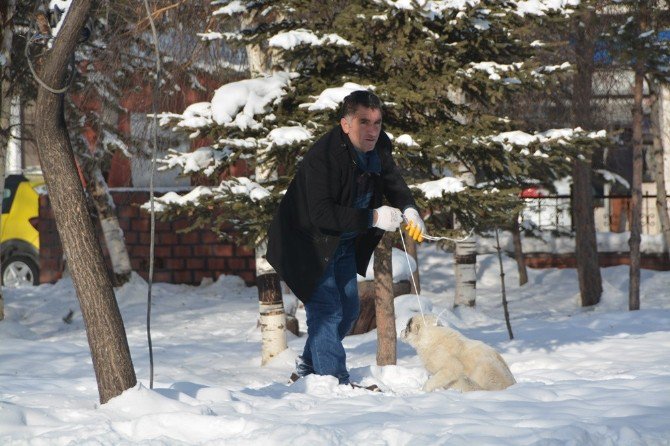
pixel 450 379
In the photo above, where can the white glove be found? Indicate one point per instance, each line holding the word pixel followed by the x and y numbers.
pixel 387 218
pixel 415 225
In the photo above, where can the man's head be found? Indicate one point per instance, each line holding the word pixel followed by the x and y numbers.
pixel 362 119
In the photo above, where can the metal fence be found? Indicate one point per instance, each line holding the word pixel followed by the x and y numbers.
pixel 611 213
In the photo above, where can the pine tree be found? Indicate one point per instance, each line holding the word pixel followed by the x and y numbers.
pixel 442 70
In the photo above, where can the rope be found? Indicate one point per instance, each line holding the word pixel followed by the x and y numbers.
pixel 409 264
pixel 152 240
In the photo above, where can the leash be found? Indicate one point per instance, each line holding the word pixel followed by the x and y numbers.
pixel 429 238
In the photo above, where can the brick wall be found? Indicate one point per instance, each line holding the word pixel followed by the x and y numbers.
pixel 179 257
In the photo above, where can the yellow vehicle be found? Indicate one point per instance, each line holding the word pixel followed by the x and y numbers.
pixel 19 240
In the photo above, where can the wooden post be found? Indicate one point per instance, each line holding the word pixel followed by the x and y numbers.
pixel 384 309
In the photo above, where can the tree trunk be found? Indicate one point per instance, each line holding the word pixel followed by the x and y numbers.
pixel 411 246
pixel 7 10
pixel 502 287
pixel 272 314
pixel 636 187
pixel 111 230
pixel 586 248
pixel 384 308
pixel 660 109
pixel 104 327
pixel 466 276
pixel 271 307
pixel 465 258
pixel 518 252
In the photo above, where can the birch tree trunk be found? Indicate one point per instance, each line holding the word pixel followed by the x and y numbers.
pixel 518 252
pixel 384 308
pixel 636 187
pixel 7 10
pixel 111 230
pixel 660 110
pixel 586 248
pixel 104 327
pixel 270 301
pixel 465 260
pixel 13 156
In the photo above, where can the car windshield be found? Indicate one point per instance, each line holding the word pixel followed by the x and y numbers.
pixel 6 200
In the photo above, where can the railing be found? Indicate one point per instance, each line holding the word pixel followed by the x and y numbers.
pixel 611 212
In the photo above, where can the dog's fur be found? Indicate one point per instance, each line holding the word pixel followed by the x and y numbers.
pixel 454 361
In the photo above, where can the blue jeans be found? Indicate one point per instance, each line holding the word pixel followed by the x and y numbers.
pixel 331 312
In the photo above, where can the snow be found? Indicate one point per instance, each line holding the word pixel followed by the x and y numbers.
pixel 290 39
pixel 330 98
pixel 521 138
pixel 435 189
pixel 203 159
pixel 236 186
pixel 286 136
pixel 237 103
pixel 585 375
pixel 232 8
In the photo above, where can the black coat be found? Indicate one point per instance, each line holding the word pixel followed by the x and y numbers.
pixel 318 207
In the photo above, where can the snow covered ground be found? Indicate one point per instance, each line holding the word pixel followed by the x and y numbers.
pixel 598 376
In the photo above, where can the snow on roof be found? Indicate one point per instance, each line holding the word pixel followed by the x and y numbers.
pixel 434 189
pixel 290 39
pixel 330 98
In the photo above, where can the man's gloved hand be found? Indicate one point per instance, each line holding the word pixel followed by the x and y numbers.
pixel 415 225
pixel 387 218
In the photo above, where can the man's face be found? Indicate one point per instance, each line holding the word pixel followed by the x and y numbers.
pixel 363 127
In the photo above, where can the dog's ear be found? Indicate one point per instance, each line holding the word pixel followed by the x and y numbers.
pixel 413 325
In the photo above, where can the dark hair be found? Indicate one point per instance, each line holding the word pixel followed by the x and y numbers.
pixel 359 98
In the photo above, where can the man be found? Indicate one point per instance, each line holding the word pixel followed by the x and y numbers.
pixel 329 223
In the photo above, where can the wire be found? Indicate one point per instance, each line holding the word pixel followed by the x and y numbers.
pixel 39 80
pixel 152 240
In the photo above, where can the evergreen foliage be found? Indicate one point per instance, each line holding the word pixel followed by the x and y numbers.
pixel 441 68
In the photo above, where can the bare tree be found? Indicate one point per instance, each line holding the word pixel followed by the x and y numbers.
pixel 104 327
pixel 586 248
pixel 642 18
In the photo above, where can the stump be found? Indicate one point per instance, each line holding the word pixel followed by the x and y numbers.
pixel 366 291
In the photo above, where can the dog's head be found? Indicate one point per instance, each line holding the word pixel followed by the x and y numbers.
pixel 415 327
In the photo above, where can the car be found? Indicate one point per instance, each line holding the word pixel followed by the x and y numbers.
pixel 19 239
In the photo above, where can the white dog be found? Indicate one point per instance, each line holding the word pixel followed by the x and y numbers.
pixel 454 361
